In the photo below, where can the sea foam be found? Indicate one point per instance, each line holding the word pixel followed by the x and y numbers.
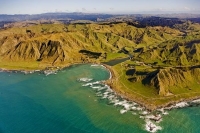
pixel 196 101
pixel 85 79
pixel 105 92
pixel 151 127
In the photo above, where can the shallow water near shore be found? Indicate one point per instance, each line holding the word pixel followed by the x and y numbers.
pixel 73 101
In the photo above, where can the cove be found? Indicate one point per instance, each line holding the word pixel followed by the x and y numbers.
pixel 75 101
pixel 59 103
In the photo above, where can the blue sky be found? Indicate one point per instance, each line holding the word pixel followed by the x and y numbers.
pixel 99 6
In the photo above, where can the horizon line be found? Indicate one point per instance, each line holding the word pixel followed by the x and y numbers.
pixel 117 13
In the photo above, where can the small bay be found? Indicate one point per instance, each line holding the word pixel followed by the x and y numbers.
pixel 64 103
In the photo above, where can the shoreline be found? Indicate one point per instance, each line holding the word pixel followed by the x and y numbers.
pixel 112 82
pixel 53 68
pixel 115 85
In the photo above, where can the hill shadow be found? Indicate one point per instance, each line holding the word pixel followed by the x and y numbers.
pixel 116 61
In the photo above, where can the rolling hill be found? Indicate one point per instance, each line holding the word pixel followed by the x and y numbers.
pixel 165 60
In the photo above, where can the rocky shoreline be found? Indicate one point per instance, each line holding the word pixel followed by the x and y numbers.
pixel 114 84
pixel 46 70
pixel 151 114
pixel 152 118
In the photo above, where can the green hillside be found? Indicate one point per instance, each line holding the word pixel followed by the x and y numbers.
pixel 164 65
pixel 57 44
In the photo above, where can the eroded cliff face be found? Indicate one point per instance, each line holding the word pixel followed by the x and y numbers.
pixel 36 51
pixel 165 79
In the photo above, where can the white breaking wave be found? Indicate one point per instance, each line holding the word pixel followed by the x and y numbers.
pixel 97 65
pixel 90 84
pixel 151 127
pixel 96 87
pixel 163 111
pixel 122 111
pixel 48 72
pixel 145 112
pixel 94 65
pixel 110 75
pixel 105 92
pixel 196 101
pixel 85 79
pixel 181 104
pixel 177 105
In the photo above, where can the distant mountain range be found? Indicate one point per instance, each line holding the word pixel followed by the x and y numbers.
pixel 86 16
pixel 78 17
pixel 74 16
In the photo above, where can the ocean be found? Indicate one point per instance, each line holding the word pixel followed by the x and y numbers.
pixel 75 100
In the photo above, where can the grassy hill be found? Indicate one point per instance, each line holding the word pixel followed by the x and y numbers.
pixel 165 64
pixel 58 43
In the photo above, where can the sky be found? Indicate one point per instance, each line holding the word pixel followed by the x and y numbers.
pixel 99 6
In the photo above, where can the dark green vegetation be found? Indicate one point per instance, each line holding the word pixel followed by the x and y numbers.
pixel 164 65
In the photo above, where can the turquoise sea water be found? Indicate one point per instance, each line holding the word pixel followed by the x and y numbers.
pixel 71 101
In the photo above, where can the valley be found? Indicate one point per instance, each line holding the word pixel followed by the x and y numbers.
pixel 158 65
